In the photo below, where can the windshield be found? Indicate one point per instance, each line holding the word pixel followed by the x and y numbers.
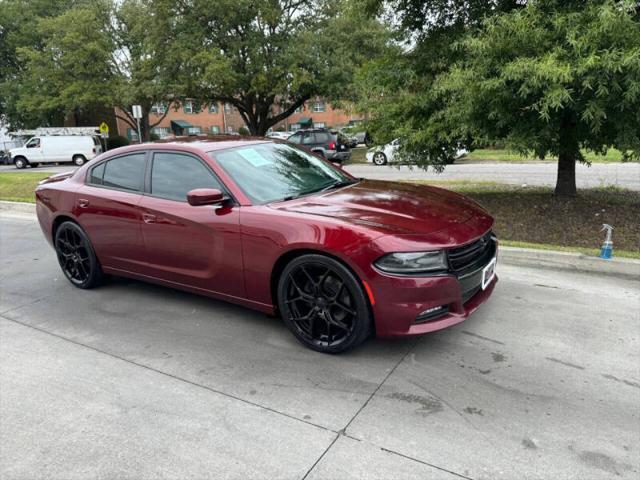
pixel 274 171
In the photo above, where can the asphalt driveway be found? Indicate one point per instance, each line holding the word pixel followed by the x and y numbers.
pixel 138 381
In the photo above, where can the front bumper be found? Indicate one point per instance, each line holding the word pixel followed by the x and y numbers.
pixel 400 301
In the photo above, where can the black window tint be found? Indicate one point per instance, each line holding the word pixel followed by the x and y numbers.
pixel 322 137
pixel 125 172
pixel 308 138
pixel 174 175
pixel 96 174
pixel 295 138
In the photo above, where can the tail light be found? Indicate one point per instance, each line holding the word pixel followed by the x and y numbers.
pixel 332 146
pixel 94 149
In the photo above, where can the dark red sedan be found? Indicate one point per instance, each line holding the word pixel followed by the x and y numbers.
pixel 269 226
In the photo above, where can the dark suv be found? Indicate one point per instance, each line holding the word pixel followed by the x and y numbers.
pixel 331 145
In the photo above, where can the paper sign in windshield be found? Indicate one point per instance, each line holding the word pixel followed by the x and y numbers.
pixel 253 157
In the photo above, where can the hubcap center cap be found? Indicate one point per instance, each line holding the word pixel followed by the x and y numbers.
pixel 321 303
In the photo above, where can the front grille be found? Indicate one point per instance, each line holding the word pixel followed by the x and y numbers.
pixel 473 254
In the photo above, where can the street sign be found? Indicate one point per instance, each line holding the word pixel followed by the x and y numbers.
pixel 137 111
pixel 104 129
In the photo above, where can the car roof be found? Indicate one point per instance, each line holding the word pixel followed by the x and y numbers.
pixel 213 143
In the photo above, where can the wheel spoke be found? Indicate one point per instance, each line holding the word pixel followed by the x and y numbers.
pixel 333 321
pixel 344 308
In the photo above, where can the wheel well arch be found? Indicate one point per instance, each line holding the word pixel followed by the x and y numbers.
pixel 290 255
pixel 59 220
pixel 19 156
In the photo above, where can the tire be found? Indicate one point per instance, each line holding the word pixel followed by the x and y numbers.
pixel 379 158
pixel 34 165
pixel 76 256
pixel 20 162
pixel 323 304
pixel 79 160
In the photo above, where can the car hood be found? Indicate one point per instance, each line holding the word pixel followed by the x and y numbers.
pixel 396 207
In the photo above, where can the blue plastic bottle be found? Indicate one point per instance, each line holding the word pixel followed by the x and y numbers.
pixel 606 251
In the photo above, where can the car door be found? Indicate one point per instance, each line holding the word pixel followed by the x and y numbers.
pixel 194 246
pixel 107 209
pixel 35 150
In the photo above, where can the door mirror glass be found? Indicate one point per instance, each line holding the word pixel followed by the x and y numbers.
pixel 205 196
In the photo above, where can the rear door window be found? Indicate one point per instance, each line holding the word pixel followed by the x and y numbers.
pixel 125 173
pixel 295 138
pixel 173 175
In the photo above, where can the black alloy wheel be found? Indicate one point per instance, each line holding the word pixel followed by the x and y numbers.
pixel 323 304
pixel 76 256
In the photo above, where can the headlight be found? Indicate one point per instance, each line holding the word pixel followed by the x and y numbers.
pixel 413 262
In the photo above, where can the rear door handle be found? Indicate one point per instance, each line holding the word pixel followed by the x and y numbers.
pixel 148 218
pixel 83 202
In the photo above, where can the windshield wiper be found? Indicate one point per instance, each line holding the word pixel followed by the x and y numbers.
pixel 323 188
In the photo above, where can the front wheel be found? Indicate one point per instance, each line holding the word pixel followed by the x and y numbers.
pixel 76 256
pixel 20 163
pixel 379 158
pixel 323 304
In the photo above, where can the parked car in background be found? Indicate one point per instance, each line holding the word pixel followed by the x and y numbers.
pixel 279 135
pixel 267 225
pixel 56 149
pixel 384 154
pixel 363 138
pixel 332 146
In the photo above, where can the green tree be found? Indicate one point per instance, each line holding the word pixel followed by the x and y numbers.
pixel 553 78
pixel 265 58
pixel 94 54
pixel 19 22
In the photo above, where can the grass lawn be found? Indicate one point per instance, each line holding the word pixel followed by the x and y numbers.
pixel 489 155
pixel 533 217
pixel 357 155
pixel 19 187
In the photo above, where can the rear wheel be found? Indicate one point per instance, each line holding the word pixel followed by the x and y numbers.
pixel 322 303
pixel 79 160
pixel 20 162
pixel 76 256
pixel 379 158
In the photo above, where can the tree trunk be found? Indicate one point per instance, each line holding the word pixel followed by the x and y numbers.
pixel 569 153
pixel 566 181
pixel 145 130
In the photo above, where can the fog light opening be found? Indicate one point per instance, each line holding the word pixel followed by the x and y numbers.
pixel 431 314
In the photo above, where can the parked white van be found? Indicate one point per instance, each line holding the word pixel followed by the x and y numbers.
pixel 56 149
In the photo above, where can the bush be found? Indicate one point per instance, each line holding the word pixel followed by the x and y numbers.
pixel 244 131
pixel 116 142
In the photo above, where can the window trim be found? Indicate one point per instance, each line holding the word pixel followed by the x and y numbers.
pixel 140 191
pixel 147 178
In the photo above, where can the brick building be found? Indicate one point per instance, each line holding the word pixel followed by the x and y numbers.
pixel 190 118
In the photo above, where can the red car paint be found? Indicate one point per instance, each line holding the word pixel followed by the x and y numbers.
pixel 235 252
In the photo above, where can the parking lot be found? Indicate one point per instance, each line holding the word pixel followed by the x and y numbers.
pixel 138 381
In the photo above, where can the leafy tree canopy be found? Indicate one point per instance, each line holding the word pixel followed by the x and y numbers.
pixel 255 55
pixel 551 77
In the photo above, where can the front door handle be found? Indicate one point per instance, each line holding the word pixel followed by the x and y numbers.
pixel 83 202
pixel 148 218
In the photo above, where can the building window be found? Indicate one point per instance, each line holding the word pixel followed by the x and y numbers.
pixel 295 127
pixel 318 125
pixel 159 108
pixel 215 129
pixel 227 108
pixel 318 107
pixel 213 107
pixel 194 130
pixel 229 129
pixel 190 106
pixel 161 132
pixel 132 134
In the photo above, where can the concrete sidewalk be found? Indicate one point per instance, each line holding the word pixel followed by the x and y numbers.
pixel 136 381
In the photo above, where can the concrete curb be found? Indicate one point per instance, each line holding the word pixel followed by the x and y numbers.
pixel 524 257
pixel 18 207
pixel 578 262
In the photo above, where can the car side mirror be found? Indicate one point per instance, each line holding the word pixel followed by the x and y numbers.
pixel 205 196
